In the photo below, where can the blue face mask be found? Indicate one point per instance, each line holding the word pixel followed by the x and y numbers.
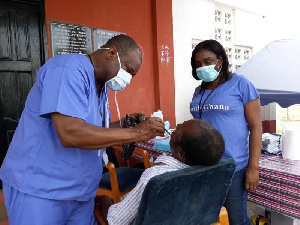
pixel 207 73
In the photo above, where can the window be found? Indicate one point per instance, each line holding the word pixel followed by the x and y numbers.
pixel 228 35
pixel 242 54
pixel 195 42
pixel 227 18
pixel 229 53
pixel 218 15
pixel 246 54
pixel 218 34
pixel 224 33
pixel 238 53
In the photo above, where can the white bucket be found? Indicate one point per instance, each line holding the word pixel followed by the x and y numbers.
pixel 290 142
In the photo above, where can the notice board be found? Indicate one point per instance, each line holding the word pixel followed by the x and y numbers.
pixel 102 36
pixel 70 38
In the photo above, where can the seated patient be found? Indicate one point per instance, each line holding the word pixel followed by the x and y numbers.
pixel 194 142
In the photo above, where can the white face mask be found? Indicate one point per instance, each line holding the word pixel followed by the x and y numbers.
pixel 121 80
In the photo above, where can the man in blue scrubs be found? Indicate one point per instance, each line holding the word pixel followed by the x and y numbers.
pixel 54 163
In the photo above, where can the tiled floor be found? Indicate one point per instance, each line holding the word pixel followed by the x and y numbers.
pixel 3 215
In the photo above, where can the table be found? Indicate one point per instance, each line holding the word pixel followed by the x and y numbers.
pixel 279 188
pixel 153 153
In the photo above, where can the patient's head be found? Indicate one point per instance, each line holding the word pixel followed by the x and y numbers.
pixel 197 142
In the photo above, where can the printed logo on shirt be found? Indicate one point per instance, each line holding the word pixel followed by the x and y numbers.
pixel 211 107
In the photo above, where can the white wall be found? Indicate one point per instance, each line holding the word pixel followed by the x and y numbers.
pixel 195 19
pixel 253 6
pixel 249 29
pixel 192 20
pixel 282 20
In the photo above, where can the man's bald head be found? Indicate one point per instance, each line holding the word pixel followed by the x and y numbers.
pixel 124 44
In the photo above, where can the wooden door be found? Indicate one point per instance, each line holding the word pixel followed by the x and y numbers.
pixel 21 55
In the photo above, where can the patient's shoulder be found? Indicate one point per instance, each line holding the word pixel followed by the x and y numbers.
pixel 158 169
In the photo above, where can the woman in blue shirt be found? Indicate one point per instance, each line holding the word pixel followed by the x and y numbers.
pixel 231 104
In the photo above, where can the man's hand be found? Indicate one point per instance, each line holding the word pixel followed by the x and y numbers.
pixel 252 178
pixel 150 128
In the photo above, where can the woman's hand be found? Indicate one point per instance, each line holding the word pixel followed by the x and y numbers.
pixel 252 178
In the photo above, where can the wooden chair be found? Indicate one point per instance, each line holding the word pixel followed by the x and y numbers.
pixel 223 217
pixel 119 181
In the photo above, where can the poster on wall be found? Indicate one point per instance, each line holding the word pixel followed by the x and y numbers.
pixel 102 36
pixel 70 38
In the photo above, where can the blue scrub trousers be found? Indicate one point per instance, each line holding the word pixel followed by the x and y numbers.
pixel 24 209
pixel 236 200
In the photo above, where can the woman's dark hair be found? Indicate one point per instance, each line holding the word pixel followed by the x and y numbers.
pixel 218 50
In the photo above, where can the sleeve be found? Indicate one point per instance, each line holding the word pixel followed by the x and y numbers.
pixel 197 91
pixel 64 91
pixel 125 211
pixel 247 91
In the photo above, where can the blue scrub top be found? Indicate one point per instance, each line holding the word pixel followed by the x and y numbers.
pixel 224 109
pixel 36 163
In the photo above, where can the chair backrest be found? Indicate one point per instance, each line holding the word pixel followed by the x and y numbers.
pixel 189 196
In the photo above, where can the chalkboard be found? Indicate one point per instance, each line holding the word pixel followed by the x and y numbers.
pixel 70 38
pixel 102 36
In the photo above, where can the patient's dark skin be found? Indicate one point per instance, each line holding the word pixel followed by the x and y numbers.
pixel 182 129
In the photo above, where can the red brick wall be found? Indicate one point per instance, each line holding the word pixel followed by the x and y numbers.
pixel 149 22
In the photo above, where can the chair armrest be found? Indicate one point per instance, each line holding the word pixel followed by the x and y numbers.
pixel 110 166
pixel 139 151
pixel 112 175
pixel 145 156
